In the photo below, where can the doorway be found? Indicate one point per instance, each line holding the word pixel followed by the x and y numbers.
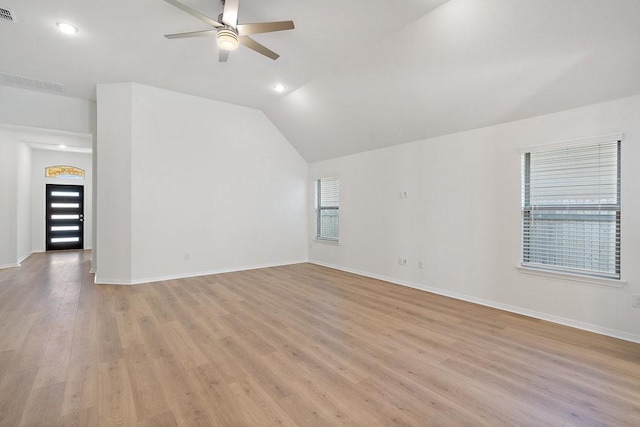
pixel 64 217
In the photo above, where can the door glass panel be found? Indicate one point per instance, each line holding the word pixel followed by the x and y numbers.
pixel 65 216
pixel 65 193
pixel 64 239
pixel 65 205
pixel 65 228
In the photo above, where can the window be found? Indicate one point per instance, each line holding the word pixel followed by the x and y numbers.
pixel 571 208
pixel 63 172
pixel 327 209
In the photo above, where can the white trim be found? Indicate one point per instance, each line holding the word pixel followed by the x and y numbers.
pixel 614 283
pixel 517 310
pixel 314 208
pixel 63 133
pixel 580 141
pixel 9 266
pixel 327 241
pixel 558 272
pixel 325 175
pixel 121 282
pixel 99 281
pixel 25 257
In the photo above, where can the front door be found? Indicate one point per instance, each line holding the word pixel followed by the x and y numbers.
pixel 65 217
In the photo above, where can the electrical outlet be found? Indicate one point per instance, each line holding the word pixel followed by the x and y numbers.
pixel 636 301
pixel 402 194
pixel 420 264
pixel 402 262
pixel 187 257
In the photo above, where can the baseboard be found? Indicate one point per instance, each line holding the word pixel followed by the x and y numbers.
pixel 488 303
pixel 25 257
pixel 9 266
pixel 98 281
pixel 108 281
pixel 18 263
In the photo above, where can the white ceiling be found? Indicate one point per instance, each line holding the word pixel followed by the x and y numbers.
pixel 361 74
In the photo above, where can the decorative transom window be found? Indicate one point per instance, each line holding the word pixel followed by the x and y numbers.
pixel 571 207
pixel 327 209
pixel 63 172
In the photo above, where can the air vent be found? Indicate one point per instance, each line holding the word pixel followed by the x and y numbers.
pixel 7 15
pixel 29 83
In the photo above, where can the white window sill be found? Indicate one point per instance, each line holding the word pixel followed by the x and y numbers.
pixel 615 283
pixel 327 242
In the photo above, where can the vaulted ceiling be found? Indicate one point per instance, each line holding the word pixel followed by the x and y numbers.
pixel 360 74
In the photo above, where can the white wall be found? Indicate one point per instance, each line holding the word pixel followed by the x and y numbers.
pixel 8 200
pixel 23 201
pixel 94 192
pixel 212 180
pixel 45 111
pixel 40 160
pixel 462 218
pixel 113 204
pixel 15 203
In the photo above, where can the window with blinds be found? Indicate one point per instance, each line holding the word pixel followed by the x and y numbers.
pixel 571 208
pixel 328 208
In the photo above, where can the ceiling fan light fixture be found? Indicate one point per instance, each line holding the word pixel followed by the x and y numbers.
pixel 227 39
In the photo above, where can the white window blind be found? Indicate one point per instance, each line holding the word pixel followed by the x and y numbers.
pixel 328 208
pixel 571 208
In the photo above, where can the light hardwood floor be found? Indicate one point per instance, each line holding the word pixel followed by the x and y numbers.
pixel 297 345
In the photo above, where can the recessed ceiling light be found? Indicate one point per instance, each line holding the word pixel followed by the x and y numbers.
pixel 62 146
pixel 67 28
pixel 279 87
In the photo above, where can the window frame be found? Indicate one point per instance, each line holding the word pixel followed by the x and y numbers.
pixel 564 271
pixel 319 208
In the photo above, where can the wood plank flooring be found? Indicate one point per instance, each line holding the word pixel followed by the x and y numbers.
pixel 297 345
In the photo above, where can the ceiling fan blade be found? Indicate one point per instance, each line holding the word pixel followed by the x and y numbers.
pixel 195 13
pixel 230 13
pixel 202 33
pixel 264 27
pixel 254 45
pixel 223 56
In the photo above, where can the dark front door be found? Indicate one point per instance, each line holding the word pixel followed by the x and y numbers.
pixel 65 217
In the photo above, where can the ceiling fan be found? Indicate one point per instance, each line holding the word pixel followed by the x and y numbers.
pixel 229 34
